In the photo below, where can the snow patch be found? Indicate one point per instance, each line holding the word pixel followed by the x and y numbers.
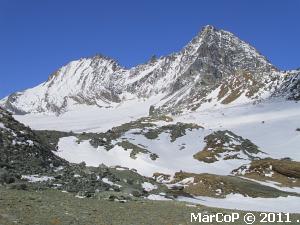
pixel 36 178
pixel 158 198
pixel 148 186
pixel 2 126
pixel 289 204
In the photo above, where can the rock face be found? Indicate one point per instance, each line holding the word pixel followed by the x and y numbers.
pixel 215 67
pixel 290 87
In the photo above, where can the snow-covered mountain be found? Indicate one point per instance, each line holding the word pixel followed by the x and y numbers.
pixel 216 67
pixel 185 122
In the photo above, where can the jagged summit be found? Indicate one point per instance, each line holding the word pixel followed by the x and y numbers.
pixel 208 30
pixel 214 67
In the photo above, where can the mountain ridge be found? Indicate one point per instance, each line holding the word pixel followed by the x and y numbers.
pixel 213 59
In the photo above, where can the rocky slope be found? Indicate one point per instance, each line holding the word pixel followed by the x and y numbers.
pixel 290 86
pixel 215 67
pixel 65 209
pixel 27 162
pixel 21 150
pixel 225 145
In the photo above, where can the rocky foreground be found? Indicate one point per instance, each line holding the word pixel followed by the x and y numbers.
pixel 52 207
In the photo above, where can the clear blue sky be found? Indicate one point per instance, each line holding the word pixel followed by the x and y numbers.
pixel 39 36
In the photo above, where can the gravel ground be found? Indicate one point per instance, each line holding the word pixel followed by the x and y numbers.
pixel 57 208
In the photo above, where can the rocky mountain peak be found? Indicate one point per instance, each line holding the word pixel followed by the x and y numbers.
pixel 216 47
pixel 99 58
pixel 208 30
pixel 93 61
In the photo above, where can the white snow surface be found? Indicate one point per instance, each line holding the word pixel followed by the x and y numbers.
pixel 106 180
pixel 90 118
pixel 148 186
pixel 277 135
pixel 2 126
pixel 158 197
pixel 36 178
pixel 70 150
pixel 276 185
pixel 76 153
pixel 289 204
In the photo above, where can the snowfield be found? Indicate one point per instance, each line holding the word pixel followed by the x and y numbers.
pixel 271 125
pixel 290 204
pixel 90 118
pixel 170 160
pixel 76 153
pixel 276 185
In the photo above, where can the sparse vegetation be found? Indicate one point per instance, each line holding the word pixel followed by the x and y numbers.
pixel 228 145
pixel 283 171
pixel 135 149
pixel 176 130
pixel 219 186
pixel 241 82
pixel 52 137
pixel 65 209
pixel 105 138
